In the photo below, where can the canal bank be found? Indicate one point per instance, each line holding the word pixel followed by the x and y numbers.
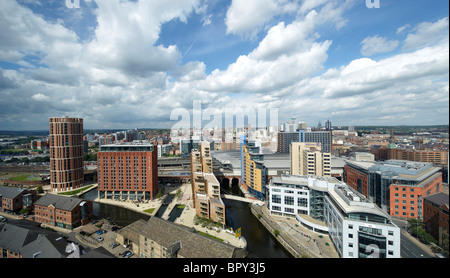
pixel 299 241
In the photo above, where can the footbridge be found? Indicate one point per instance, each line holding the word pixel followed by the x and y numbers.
pixel 241 199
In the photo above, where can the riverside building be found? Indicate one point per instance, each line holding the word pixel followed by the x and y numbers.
pixel 356 226
pixel 396 186
pixel 205 186
pixel 308 159
pixel 128 171
pixel 66 153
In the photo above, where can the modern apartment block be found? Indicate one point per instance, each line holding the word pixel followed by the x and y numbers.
pixel 205 186
pixel 254 172
pixel 308 159
pixel 285 139
pixel 396 186
pixel 66 153
pixel 325 138
pixel 128 171
pixel 356 226
pixel 64 212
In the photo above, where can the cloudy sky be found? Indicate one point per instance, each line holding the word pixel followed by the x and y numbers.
pixel 131 64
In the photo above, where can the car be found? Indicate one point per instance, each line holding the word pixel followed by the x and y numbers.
pixel 83 233
pixel 99 238
pixel 115 228
pixel 114 245
pixel 99 232
pixel 128 254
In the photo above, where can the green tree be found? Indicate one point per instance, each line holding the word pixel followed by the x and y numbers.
pixel 416 228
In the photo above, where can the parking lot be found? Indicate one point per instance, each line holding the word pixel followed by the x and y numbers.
pixel 91 236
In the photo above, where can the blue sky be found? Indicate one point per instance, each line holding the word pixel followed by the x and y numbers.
pixel 127 64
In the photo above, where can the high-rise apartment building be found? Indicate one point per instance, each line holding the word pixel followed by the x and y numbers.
pixel 128 171
pixel 66 153
pixel 285 139
pixel 254 173
pixel 325 138
pixel 308 159
pixel 205 186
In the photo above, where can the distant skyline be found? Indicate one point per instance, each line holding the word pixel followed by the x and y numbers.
pixel 122 64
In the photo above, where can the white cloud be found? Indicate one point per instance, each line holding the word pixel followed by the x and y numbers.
pixel 377 44
pixel 427 33
pixel 247 17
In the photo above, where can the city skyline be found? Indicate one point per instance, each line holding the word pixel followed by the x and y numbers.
pixel 130 64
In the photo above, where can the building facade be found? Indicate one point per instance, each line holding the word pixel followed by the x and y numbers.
pixel 63 212
pixel 356 226
pixel 325 138
pixel 285 139
pixel 308 159
pixel 66 153
pixel 205 187
pixel 14 199
pixel 396 186
pixel 254 173
pixel 435 217
pixel 128 171
pixel 439 157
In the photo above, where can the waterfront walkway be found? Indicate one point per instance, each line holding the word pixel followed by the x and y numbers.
pixel 298 240
pixel 186 218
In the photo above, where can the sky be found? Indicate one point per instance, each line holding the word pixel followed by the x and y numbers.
pixel 123 64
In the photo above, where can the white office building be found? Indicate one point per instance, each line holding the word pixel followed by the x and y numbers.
pixel 356 226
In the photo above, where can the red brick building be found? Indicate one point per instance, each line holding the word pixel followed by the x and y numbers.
pixel 127 171
pixel 64 212
pixel 66 153
pixel 396 186
pixel 13 199
pixel 435 217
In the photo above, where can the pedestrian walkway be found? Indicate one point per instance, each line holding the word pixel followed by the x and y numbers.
pixel 302 241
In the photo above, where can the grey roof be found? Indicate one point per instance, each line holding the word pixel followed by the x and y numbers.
pixel 45 246
pixel 438 198
pixel 59 202
pixel 193 245
pixel 10 192
pixel 14 238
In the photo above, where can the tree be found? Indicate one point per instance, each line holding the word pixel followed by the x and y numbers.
pixel 416 228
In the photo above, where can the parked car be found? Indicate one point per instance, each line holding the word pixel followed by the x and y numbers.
pixel 99 238
pixel 128 254
pixel 83 233
pixel 114 245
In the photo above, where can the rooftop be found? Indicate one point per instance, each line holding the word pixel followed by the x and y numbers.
pixel 59 202
pixel 193 245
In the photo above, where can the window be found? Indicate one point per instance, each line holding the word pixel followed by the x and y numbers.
pixel 391 233
pixel 276 199
pixel 289 200
pixel 302 202
pixel 350 226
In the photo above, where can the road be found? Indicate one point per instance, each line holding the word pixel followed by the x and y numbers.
pixel 410 250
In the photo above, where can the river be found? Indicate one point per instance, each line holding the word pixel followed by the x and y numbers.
pixel 260 243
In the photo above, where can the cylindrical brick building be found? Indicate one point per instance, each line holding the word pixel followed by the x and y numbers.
pixel 66 153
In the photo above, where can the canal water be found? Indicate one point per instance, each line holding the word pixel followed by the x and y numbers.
pixel 260 243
